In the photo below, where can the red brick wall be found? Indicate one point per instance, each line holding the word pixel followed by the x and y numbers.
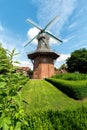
pixel 43 67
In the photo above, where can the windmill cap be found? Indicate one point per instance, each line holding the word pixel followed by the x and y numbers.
pixel 43 35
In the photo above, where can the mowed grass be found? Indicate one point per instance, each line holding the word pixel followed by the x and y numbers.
pixel 42 95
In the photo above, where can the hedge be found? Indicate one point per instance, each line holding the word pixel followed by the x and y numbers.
pixel 71 76
pixel 56 120
pixel 74 89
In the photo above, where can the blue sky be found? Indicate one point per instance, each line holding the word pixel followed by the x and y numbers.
pixel 71 25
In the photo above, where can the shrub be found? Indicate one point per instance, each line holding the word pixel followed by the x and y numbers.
pixel 77 61
pixel 71 76
pixel 12 115
pixel 4 61
pixel 65 120
pixel 74 89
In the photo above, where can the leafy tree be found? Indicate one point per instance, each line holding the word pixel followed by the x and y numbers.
pixel 63 67
pixel 11 55
pixel 78 61
pixel 56 69
pixel 30 73
pixel 4 61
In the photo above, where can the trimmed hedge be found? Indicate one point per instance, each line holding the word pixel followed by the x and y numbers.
pixel 71 76
pixel 74 89
pixel 65 120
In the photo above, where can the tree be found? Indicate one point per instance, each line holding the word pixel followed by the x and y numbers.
pixel 77 61
pixel 4 61
pixel 30 73
pixel 63 67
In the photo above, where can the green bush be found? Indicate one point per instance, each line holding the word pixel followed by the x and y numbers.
pixel 74 89
pixel 12 115
pixel 71 76
pixel 65 120
pixel 4 61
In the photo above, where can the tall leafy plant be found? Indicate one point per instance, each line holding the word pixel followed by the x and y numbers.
pixel 4 61
pixel 12 116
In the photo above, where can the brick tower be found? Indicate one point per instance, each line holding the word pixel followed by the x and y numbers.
pixel 43 58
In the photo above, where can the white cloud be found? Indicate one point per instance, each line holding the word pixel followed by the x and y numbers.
pixel 63 57
pixel 25 64
pixel 52 41
pixel 61 60
pixel 8 39
pixel 69 38
pixel 1 28
pixel 72 25
pixel 48 9
pixel 6 45
pixel 32 32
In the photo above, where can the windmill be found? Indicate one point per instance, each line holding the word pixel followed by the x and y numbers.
pixel 43 58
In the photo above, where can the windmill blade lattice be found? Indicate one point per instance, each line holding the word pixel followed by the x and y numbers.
pixel 31 40
pixel 33 23
pixel 42 30
pixel 50 23
pixel 53 36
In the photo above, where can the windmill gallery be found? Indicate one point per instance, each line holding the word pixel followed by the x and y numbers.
pixel 43 58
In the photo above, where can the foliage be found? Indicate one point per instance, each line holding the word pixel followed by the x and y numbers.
pixel 74 89
pixel 71 76
pixel 77 61
pixel 4 61
pixel 30 73
pixel 50 109
pixel 56 69
pixel 65 120
pixel 11 55
pixel 12 115
pixel 39 94
pixel 63 67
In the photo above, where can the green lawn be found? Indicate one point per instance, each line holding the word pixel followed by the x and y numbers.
pixel 41 95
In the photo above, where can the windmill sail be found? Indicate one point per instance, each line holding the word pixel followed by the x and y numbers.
pixel 42 30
